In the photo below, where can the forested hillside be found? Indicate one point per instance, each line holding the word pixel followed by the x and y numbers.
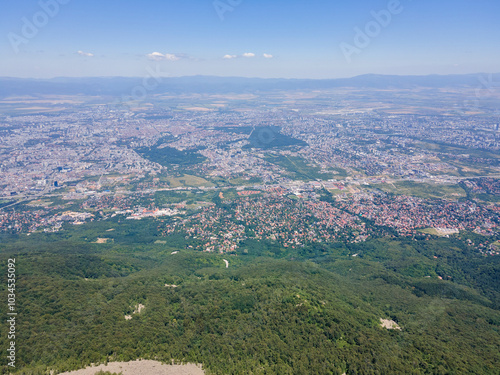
pixel 313 310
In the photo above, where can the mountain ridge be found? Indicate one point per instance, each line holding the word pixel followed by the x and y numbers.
pixel 211 84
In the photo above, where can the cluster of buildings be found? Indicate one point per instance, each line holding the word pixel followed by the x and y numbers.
pixel 408 214
pixel 41 153
pixel 88 160
pixel 483 185
pixel 269 216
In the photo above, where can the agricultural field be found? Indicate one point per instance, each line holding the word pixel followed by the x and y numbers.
pixel 423 190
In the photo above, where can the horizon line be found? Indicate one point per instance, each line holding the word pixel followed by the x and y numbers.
pixel 262 78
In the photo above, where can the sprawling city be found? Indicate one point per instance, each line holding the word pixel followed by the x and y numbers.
pixel 224 171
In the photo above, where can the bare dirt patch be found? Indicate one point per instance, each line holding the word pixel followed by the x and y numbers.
pixel 138 308
pixel 389 324
pixel 141 367
pixel 101 240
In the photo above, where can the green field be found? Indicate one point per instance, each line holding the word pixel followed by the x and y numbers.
pixel 432 231
pixel 299 168
pixel 423 190
pixel 5 203
pixel 240 181
pixel 187 180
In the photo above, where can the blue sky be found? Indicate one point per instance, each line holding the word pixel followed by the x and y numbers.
pixel 251 38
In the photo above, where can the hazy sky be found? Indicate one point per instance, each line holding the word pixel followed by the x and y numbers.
pixel 251 38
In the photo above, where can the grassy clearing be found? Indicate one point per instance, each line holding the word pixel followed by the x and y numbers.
pixel 241 181
pixel 337 191
pixel 424 190
pixel 188 181
pixel 299 168
pixel 432 231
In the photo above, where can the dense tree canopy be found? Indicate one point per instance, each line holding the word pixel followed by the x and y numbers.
pixel 311 310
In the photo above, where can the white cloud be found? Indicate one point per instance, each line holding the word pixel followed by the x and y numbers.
pixel 247 55
pixel 157 56
pixel 171 57
pixel 86 54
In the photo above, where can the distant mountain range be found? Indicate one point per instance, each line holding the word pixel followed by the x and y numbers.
pixel 209 84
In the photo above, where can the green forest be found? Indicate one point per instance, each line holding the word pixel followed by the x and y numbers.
pixel 310 310
pixel 168 156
